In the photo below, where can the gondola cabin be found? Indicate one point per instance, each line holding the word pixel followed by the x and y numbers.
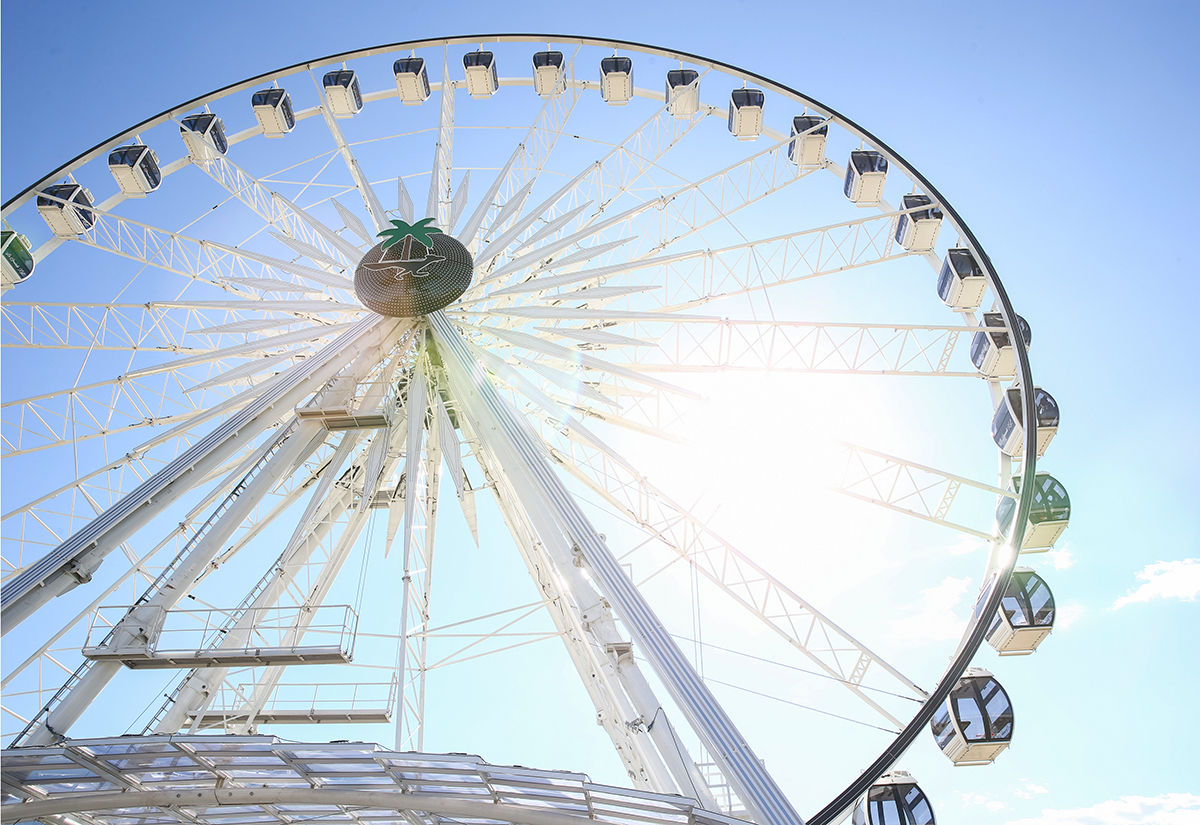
pixel 16 259
pixel 1048 518
pixel 865 175
pixel 807 146
pixel 135 169
pixel 343 93
pixel 1008 430
pixel 976 722
pixel 683 92
pixel 273 109
pixel 65 207
pixel 746 113
pixel 917 230
pixel 894 799
pixel 1025 617
pixel 616 80
pixel 204 136
pixel 961 282
pixel 992 352
pixel 412 80
pixel 547 72
pixel 482 80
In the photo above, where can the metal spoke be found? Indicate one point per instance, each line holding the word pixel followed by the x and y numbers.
pixel 910 488
pixel 370 199
pixel 246 412
pixel 808 630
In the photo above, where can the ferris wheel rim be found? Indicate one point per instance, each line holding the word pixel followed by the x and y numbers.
pixel 1023 370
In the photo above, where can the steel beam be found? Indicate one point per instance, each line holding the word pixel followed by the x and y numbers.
pixel 754 785
pixel 73 561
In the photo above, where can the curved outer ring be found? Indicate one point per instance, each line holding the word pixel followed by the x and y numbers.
pixel 848 797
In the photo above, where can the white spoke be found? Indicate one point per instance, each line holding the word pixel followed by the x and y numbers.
pixel 370 199
pixel 913 489
pixel 642 263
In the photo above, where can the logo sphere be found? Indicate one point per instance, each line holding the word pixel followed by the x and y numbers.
pixel 409 278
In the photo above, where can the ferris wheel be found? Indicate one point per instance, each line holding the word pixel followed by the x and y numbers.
pixel 458 286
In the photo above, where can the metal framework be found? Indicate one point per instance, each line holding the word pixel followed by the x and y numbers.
pixel 254 416
pixel 350 783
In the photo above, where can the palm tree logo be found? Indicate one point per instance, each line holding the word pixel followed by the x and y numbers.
pixel 414 270
pixel 401 231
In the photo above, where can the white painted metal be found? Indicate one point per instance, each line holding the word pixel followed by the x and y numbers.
pixel 439 206
pixel 404 202
pixel 422 463
pixel 754 785
pixel 65 219
pixel 331 502
pixel 374 207
pixel 133 179
pixel 807 629
pixel 453 786
pixel 546 79
pixel 911 488
pixel 275 119
pixel 343 98
pixel 273 467
pixel 413 86
pixel 683 98
pixel 629 314
pixel 482 78
pixel 616 86
pixel 745 118
pixel 75 559
pixel 201 147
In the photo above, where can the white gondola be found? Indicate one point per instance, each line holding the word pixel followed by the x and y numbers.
pixel 894 799
pixel 135 169
pixel 975 723
pixel 917 231
pixel 1025 617
pixel 273 108
pixel 547 72
pixel 204 135
pixel 992 352
pixel 412 80
pixel 16 259
pixel 482 80
pixel 683 92
pixel 616 80
pixel 66 220
pixel 807 146
pixel 865 176
pixel 1048 518
pixel 343 93
pixel 746 113
pixel 1008 430
pixel 961 282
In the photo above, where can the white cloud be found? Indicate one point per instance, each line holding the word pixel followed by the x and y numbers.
pixel 1061 559
pixel 1166 580
pixel 1066 615
pixel 934 619
pixel 1167 809
pixel 993 805
pixel 1030 790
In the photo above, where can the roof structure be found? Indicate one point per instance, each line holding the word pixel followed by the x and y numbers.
pixel 238 780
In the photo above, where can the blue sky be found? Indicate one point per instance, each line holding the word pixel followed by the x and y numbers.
pixel 1063 135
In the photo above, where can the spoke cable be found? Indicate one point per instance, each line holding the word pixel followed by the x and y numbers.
pixel 797 704
pixel 797 669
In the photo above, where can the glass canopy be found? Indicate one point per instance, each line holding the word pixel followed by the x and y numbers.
pixel 237 780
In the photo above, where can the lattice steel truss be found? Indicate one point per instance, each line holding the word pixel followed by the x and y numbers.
pixel 223 402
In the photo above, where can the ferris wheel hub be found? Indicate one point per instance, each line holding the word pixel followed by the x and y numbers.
pixel 414 274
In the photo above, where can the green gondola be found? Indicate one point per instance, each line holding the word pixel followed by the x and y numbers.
pixel 17 258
